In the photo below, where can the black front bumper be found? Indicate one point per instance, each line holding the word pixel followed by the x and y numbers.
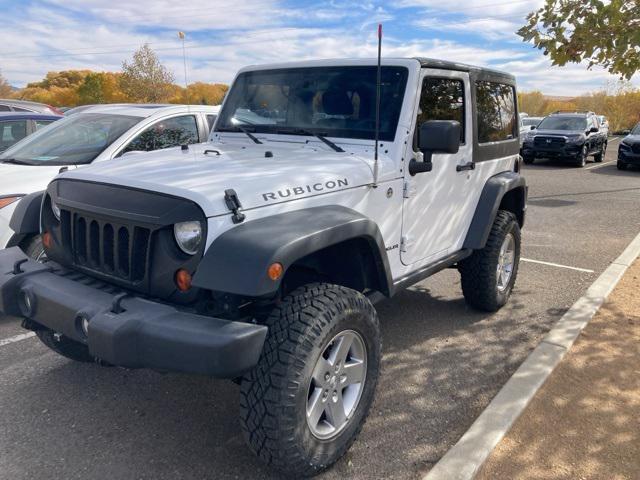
pixel 127 331
pixel 569 151
pixel 628 157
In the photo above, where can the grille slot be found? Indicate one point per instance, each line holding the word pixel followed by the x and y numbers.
pixel 549 142
pixel 119 251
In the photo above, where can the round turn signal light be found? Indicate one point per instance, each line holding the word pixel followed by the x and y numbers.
pixel 275 271
pixel 183 280
pixel 47 240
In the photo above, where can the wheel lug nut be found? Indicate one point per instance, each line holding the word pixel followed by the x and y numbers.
pixel 327 377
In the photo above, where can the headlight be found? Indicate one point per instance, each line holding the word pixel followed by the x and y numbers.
pixel 55 209
pixel 577 139
pixel 624 146
pixel 4 201
pixel 188 236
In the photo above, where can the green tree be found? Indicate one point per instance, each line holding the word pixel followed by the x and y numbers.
pixel 602 33
pixel 145 79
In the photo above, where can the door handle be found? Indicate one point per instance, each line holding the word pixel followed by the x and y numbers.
pixel 466 166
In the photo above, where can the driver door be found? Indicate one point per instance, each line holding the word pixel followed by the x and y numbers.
pixel 434 203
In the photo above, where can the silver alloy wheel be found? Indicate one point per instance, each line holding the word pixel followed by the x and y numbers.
pixel 506 262
pixel 336 384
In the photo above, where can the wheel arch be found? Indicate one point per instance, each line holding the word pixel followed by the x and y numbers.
pixel 25 219
pixel 505 191
pixel 336 242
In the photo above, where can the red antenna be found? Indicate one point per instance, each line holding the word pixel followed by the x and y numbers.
pixel 378 88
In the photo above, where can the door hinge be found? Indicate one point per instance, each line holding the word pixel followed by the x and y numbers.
pixel 408 189
pixel 233 204
pixel 405 243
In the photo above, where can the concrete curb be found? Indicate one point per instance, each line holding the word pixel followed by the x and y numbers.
pixel 464 460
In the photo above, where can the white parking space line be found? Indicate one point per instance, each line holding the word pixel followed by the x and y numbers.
pixel 600 165
pixel 16 338
pixel 586 270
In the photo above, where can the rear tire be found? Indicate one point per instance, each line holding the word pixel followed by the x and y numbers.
pixel 598 157
pixel 288 403
pixel 484 283
pixel 65 346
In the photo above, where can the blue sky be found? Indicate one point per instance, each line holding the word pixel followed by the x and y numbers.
pixel 223 35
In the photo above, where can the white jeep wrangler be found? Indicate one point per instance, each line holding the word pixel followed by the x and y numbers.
pixel 259 256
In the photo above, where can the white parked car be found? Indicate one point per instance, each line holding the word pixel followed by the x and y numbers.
pixel 604 124
pixel 99 133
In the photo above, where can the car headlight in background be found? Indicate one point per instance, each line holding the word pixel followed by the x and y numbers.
pixel 8 200
pixel 188 236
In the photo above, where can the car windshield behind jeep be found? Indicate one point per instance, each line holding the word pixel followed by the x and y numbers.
pixel 636 130
pixel 563 123
pixel 329 101
pixel 72 140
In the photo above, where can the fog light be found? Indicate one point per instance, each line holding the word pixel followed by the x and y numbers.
pixel 183 280
pixel 275 271
pixel 82 322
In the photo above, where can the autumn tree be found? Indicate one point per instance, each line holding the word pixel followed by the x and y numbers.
pixel 5 88
pixel 101 87
pixel 601 33
pixel 145 79
pixel 534 103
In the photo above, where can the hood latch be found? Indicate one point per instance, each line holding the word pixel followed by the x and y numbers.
pixel 233 204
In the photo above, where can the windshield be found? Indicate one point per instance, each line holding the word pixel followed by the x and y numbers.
pixel 328 101
pixel 72 140
pixel 563 123
pixel 527 122
pixel 636 130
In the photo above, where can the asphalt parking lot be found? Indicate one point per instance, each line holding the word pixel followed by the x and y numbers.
pixel 442 363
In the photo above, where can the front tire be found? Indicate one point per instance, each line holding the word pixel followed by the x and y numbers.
pixel 581 161
pixel 304 404
pixel 621 165
pixel 65 346
pixel 488 275
pixel 528 160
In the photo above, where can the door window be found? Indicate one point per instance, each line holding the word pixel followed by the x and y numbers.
pixel 442 99
pixel 211 119
pixel 496 112
pixel 167 133
pixel 11 131
pixel 5 108
pixel 42 123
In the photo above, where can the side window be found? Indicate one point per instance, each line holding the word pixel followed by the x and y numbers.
pixel 442 99
pixel 42 123
pixel 211 119
pixel 496 112
pixel 11 131
pixel 18 109
pixel 170 132
pixel 5 108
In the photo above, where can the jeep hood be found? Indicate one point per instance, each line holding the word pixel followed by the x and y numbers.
pixel 261 175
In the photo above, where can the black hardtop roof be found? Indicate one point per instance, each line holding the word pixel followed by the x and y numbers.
pixel 462 67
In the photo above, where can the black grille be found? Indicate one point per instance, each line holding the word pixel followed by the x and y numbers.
pixel 119 251
pixel 549 142
pixel 635 148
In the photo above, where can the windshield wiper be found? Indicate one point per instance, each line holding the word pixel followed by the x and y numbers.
pixel 243 130
pixel 302 131
pixel 15 161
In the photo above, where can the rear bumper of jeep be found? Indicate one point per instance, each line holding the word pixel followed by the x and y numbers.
pixel 125 330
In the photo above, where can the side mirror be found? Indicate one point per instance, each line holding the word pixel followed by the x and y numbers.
pixel 533 127
pixel 439 136
pixel 593 130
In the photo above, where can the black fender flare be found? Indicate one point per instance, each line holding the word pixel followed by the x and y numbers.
pixel 25 219
pixel 236 262
pixel 490 199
